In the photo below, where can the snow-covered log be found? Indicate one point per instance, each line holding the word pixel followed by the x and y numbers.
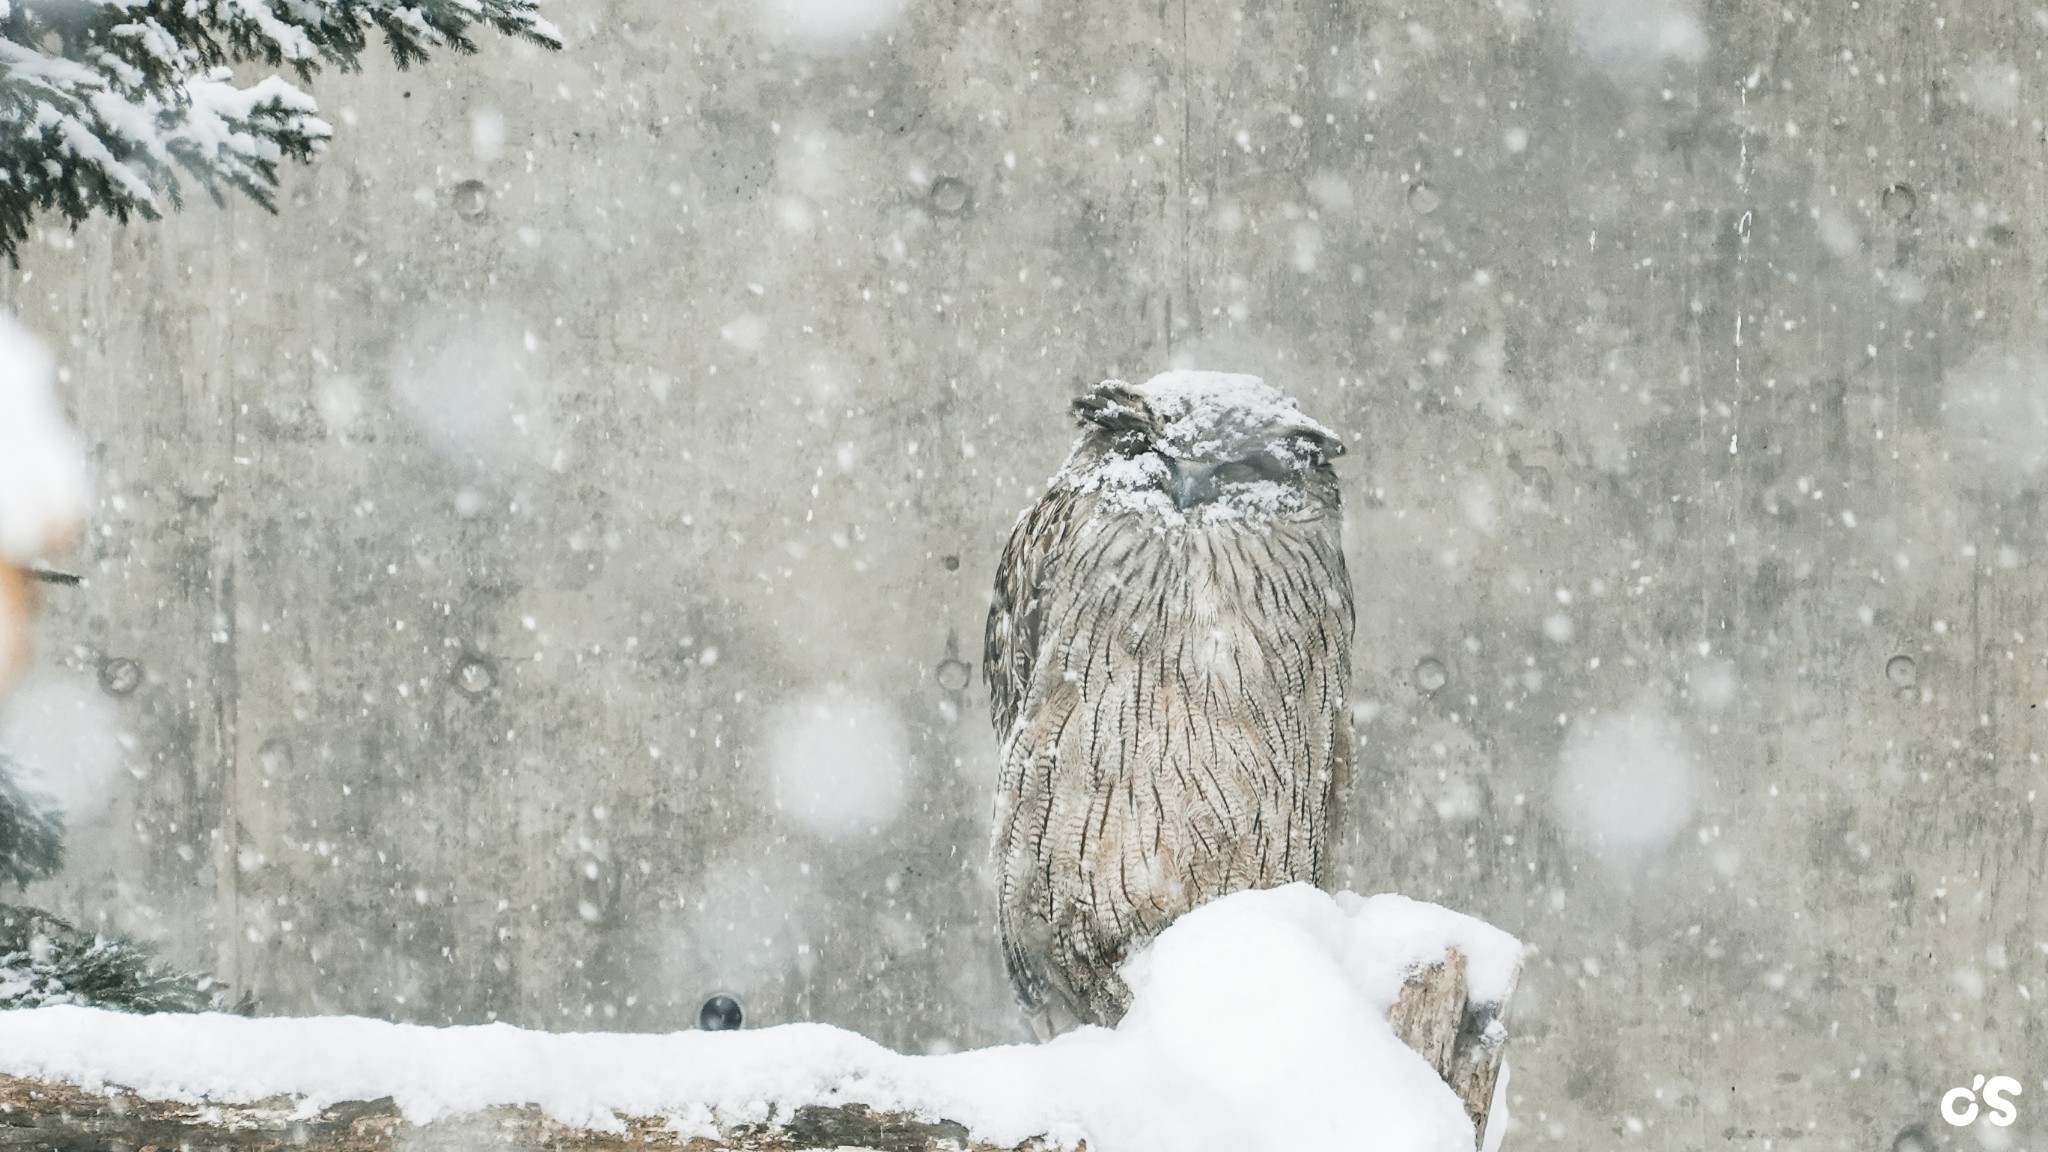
pixel 1463 1038
pixel 1260 1021
pixel 42 1115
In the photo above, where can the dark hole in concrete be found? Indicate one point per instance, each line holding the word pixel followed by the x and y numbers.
pixel 121 675
pixel 474 675
pixel 1900 200
pixel 721 1013
pixel 471 198
pixel 951 196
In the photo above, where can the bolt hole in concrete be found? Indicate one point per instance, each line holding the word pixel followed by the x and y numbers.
pixel 470 198
pixel 951 196
pixel 120 676
pixel 954 674
pixel 952 563
pixel 1900 200
pixel 1431 675
pixel 1901 671
pixel 474 675
pixel 1423 198
pixel 721 1013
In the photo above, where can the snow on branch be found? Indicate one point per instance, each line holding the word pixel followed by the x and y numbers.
pixel 47 960
pixel 104 104
pixel 1260 1021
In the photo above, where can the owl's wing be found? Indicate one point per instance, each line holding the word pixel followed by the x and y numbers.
pixel 1015 617
pixel 1337 634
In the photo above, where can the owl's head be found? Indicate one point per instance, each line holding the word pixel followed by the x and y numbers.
pixel 1214 443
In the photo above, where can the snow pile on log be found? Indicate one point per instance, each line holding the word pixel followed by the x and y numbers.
pixel 1259 1022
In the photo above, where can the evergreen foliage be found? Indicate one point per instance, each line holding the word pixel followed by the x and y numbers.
pixel 31 832
pixel 47 960
pixel 104 103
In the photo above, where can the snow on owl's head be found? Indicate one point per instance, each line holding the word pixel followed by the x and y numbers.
pixel 1216 444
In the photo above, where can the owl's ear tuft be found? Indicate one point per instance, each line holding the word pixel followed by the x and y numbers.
pixel 1113 406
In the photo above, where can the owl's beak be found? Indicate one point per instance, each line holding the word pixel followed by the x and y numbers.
pixel 1193 483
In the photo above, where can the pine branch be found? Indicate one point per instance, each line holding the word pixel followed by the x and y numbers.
pixel 105 103
pixel 303 34
pixel 45 960
pixel 31 832
pixel 72 141
pixel 335 29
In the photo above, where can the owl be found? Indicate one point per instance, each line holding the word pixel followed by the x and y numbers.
pixel 1168 656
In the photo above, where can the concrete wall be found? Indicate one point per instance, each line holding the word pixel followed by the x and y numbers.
pixel 673 392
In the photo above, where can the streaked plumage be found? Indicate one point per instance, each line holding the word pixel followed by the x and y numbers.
pixel 1168 654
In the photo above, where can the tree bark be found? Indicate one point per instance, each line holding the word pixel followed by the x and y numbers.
pixel 63 1118
pixel 1463 1041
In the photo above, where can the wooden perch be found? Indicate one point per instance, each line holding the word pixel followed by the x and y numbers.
pixel 1463 1041
pixel 42 1116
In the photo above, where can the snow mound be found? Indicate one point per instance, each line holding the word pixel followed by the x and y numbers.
pixel 1259 1022
pixel 42 482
